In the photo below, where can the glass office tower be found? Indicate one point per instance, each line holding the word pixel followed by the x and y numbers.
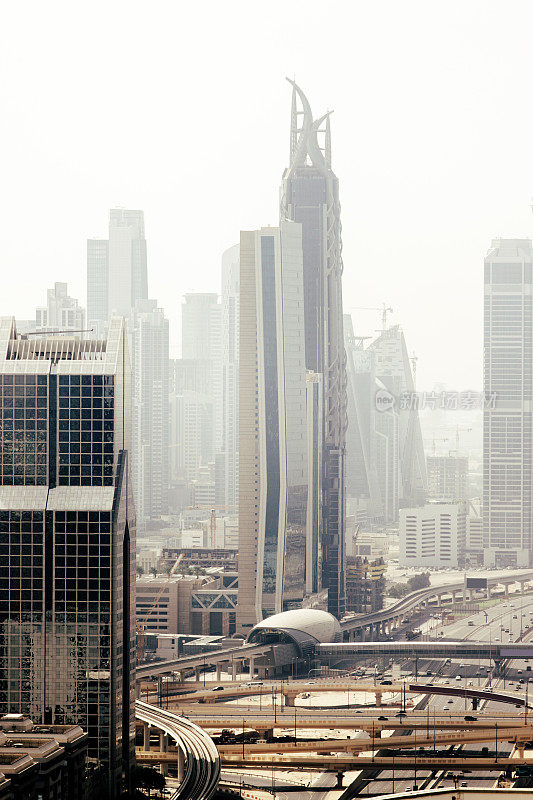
pixel 67 540
pixel 273 476
pixel 310 196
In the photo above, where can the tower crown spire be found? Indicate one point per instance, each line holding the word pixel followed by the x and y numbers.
pixel 304 146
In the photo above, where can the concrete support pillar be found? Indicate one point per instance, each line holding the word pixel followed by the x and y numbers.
pixel 289 699
pixel 163 742
pixel 219 671
pixel 252 667
pixel 340 776
pixel 233 671
pixel 146 737
pixel 197 673
pixel 378 699
pixel 520 748
pixel 137 690
pixel 181 764
pixel 181 676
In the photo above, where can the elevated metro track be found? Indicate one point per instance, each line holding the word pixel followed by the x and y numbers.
pixel 348 626
pixel 414 599
pixel 202 761
pixel 209 658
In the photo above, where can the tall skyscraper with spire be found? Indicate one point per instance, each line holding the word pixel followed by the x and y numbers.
pixel 310 196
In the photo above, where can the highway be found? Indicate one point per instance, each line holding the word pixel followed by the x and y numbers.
pixel 487 627
pixel 202 761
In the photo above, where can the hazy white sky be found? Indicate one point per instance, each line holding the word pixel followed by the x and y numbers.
pixel 182 109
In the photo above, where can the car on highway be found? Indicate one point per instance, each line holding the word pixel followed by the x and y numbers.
pixel 382 719
pixel 470 718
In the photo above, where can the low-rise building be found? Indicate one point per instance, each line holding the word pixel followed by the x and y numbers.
pixel 44 762
pixel 365 584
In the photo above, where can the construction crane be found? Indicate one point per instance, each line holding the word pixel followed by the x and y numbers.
pixel 212 518
pixel 140 624
pixel 414 359
pixel 53 333
pixel 356 534
pixel 459 430
pixel 384 311
pixel 435 439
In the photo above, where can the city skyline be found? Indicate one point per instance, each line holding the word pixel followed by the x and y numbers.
pixel 398 196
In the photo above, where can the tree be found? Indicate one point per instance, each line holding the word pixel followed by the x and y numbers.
pixel 140 570
pixel 420 581
pixel 148 778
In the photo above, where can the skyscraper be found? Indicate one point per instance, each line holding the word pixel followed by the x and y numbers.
pixel 386 467
pixel 230 376
pixel 201 341
pixel 273 455
pixel 150 410
pixel 507 418
pixel 117 282
pixel 310 196
pixel 61 312
pixel 403 457
pixel 117 267
pixel 67 539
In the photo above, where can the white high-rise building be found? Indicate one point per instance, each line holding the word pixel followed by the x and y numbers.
pixel 150 410
pixel 61 312
pixel 230 376
pixel 273 455
pixel 117 267
pixel 117 282
pixel 201 342
pixel 508 414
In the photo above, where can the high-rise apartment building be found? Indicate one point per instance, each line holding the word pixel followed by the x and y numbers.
pixel 201 342
pixel 507 419
pixel 310 196
pixel 150 344
pixel 67 539
pixel 447 477
pixel 273 454
pixel 61 312
pixel 230 377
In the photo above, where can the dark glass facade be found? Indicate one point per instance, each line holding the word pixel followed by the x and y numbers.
pixel 311 198
pixel 67 551
pixel 85 421
pixel 270 355
pixel 24 430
